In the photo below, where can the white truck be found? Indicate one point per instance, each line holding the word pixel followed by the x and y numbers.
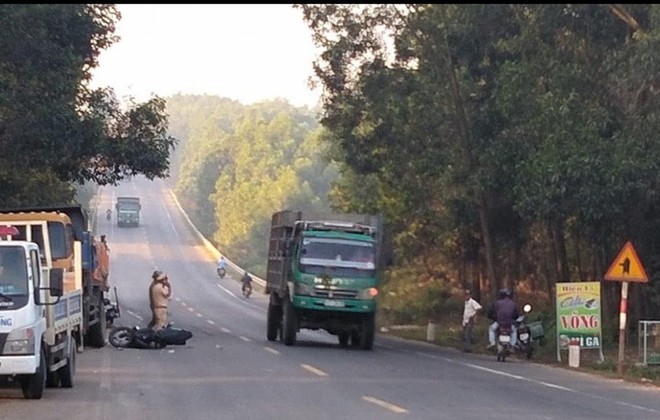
pixel 41 317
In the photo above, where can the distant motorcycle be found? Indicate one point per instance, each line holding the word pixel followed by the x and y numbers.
pixel 247 290
pixel 108 214
pixel 221 272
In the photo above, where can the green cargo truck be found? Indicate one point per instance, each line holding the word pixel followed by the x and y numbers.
pixel 128 211
pixel 323 273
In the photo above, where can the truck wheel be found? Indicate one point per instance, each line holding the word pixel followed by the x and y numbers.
pixel 67 371
pixel 355 339
pixel 274 321
pixel 289 327
pixel 343 338
pixel 33 385
pixel 368 332
pixel 98 331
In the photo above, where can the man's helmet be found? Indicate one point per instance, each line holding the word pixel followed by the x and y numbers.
pixel 504 293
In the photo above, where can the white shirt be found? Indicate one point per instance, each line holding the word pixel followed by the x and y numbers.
pixel 470 310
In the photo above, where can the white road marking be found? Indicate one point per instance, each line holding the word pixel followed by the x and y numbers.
pixel 244 338
pixel 199 315
pixel 542 383
pixel 210 321
pixel 314 370
pixel 184 303
pixel 135 315
pixel 191 309
pixel 225 330
pixel 271 350
pixel 389 406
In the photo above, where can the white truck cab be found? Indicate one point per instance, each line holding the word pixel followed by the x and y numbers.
pixel 39 322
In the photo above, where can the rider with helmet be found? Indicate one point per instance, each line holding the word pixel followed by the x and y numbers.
pixel 504 311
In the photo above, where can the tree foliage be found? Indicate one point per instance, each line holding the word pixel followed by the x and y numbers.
pixel 242 163
pixel 52 124
pixel 516 133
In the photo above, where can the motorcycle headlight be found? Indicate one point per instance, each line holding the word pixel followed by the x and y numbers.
pixel 368 293
pixel 19 342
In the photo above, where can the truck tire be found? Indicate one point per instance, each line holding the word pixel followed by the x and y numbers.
pixel 289 323
pixel 33 385
pixel 368 333
pixel 97 332
pixel 67 371
pixel 274 321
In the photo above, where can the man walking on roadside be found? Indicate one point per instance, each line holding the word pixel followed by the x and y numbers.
pixel 470 310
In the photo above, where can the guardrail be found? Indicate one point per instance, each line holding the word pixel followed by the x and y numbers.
pixel 649 342
pixel 216 253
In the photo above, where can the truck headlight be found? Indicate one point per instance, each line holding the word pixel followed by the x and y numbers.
pixel 19 342
pixel 368 293
pixel 303 289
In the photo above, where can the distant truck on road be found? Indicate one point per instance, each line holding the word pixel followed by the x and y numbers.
pixel 323 273
pixel 128 211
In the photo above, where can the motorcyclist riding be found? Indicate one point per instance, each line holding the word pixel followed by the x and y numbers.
pixel 503 312
pixel 246 280
pixel 222 263
pixel 108 214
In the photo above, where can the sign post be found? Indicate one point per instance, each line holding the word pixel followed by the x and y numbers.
pixel 625 268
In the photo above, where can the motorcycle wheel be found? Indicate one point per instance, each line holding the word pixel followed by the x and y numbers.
pixel 121 337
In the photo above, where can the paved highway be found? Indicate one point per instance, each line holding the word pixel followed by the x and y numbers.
pixel 228 370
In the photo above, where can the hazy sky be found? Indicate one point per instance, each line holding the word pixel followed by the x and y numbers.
pixel 248 53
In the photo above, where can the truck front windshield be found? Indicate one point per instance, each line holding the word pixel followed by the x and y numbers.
pixel 342 256
pixel 13 271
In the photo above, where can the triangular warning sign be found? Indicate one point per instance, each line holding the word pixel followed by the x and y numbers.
pixel 626 266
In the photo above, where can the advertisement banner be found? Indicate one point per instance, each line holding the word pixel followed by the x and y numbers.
pixel 578 314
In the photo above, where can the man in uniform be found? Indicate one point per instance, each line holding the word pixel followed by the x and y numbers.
pixel 160 292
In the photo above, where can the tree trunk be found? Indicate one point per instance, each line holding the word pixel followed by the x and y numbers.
pixel 559 244
pixel 488 247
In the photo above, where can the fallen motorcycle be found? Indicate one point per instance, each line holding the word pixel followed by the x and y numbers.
pixel 146 338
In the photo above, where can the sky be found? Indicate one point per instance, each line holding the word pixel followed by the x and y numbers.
pixel 248 53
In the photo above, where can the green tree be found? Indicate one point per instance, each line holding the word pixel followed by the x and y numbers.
pixel 52 123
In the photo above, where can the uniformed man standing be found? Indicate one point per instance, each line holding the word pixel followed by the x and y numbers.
pixel 160 292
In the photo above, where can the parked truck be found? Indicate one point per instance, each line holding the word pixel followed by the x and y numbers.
pixel 57 230
pixel 128 211
pixel 41 318
pixel 323 273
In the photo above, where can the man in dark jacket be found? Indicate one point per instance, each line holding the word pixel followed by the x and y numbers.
pixel 502 312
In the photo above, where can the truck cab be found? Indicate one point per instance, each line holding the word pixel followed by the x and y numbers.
pixel 128 211
pixel 36 343
pixel 323 273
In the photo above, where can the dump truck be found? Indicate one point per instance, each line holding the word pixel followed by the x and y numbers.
pixel 57 230
pixel 323 273
pixel 128 211
pixel 41 318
